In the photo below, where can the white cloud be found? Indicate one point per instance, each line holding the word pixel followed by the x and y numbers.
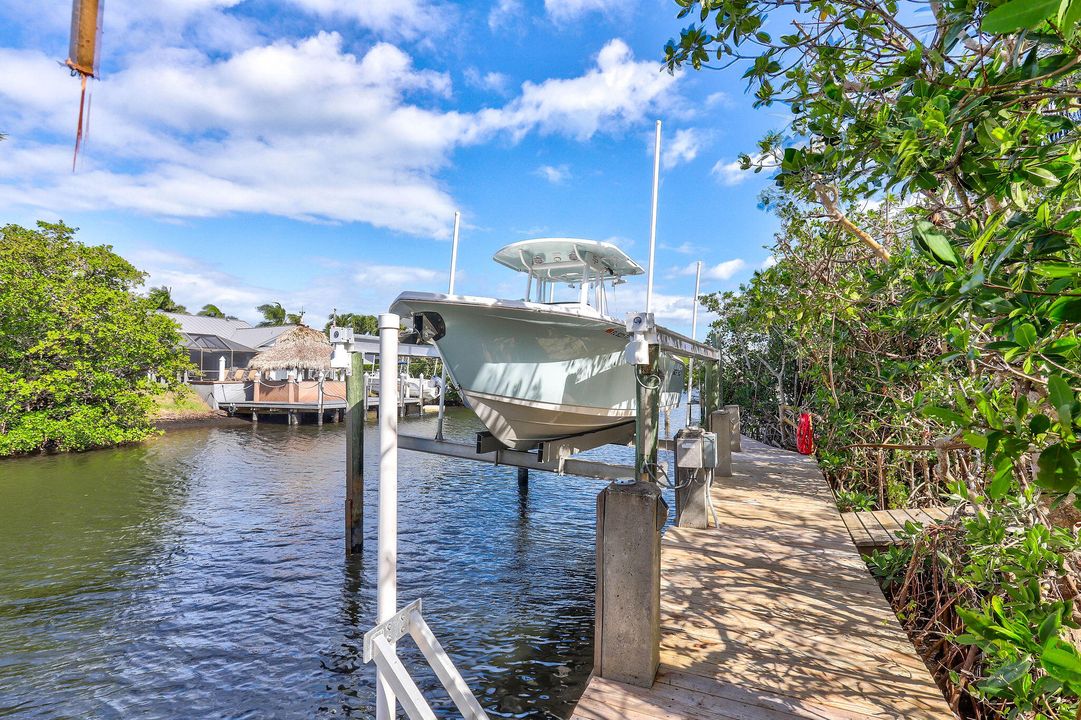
pixel 769 262
pixel 618 92
pixel 351 287
pixel 504 13
pixel 562 11
pixel 718 99
pixel 300 129
pixel 554 175
pixel 720 271
pixel 730 173
pixel 683 147
pixel 405 18
pixel 671 310
pixel 684 248
pixel 493 81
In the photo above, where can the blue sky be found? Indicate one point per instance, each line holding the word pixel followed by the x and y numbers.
pixel 314 151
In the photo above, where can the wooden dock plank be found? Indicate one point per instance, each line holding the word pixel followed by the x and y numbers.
pixel 773 615
pixel 881 528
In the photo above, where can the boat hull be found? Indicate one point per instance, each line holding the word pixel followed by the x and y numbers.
pixel 534 372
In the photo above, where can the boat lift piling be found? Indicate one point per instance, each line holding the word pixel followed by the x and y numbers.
pixel 387 590
pixel 356 401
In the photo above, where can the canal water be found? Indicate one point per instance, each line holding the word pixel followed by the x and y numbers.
pixel 201 575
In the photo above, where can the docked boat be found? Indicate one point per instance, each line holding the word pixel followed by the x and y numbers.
pixel 542 368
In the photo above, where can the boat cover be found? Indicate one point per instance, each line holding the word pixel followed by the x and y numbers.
pixel 563 259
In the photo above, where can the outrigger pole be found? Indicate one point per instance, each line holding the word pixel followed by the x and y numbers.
pixel 694 336
pixel 442 363
pixel 653 216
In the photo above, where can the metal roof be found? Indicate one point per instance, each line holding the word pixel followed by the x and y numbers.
pixel 236 334
pixel 260 337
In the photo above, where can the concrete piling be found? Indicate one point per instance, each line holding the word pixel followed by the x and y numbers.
pixel 627 642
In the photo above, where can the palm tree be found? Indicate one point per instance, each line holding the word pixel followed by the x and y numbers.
pixel 161 298
pixel 361 324
pixel 211 311
pixel 295 318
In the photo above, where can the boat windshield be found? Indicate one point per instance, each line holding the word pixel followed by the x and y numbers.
pixel 584 265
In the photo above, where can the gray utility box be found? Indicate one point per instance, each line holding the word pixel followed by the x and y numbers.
pixel 696 448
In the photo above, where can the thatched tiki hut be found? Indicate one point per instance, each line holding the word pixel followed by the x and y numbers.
pixel 297 350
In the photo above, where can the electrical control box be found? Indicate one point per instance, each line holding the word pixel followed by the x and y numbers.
pixel 640 322
pixel 696 448
pixel 341 334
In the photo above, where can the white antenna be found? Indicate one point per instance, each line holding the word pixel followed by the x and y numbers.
pixel 443 367
pixel 653 217
pixel 694 336
pixel 454 252
pixel 694 312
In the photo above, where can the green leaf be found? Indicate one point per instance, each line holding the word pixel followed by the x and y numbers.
pixel 1049 627
pixel 1057 269
pixel 1000 485
pixel 1061 396
pixel 1041 176
pixel 1018 14
pixel 945 415
pixel 1058 469
pixel 933 239
pixel 1025 335
pixel 1065 309
pixel 1061 662
pixel 1039 424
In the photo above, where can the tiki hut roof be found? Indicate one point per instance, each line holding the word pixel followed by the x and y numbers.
pixel 300 347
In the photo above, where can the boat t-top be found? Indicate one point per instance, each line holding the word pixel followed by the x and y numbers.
pixel 542 368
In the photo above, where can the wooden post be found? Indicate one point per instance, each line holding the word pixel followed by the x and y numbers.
pixel 254 418
pixel 356 408
pixel 647 420
pixel 523 478
pixel 319 421
pixel 711 396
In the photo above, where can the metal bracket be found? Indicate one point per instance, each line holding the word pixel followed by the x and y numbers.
pixel 558 450
pixel 393 629
pixel 486 443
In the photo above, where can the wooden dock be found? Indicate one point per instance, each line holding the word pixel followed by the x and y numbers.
pixel 773 615
pixel 877 529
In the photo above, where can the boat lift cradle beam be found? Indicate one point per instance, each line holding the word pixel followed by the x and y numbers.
pixel 517 458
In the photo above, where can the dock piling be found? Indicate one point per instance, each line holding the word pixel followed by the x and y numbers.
pixel 523 478
pixel 720 422
pixel 733 416
pixel 629 522
pixel 387 569
pixel 354 455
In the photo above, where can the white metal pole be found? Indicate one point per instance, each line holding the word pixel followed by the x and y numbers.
pixel 443 365
pixel 387 592
pixel 694 336
pixel 653 216
pixel 454 251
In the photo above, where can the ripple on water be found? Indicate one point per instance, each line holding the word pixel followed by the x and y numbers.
pixel 201 575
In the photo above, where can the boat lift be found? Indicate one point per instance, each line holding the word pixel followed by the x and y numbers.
pixel 630 511
pixel 647 340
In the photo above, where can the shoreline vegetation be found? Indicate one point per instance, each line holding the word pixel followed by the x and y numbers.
pixel 922 304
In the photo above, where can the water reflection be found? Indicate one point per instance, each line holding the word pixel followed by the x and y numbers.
pixel 202 575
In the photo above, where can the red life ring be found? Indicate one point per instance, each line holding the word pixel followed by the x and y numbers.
pixel 805 434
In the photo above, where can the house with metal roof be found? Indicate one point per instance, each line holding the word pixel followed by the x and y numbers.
pixel 218 345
